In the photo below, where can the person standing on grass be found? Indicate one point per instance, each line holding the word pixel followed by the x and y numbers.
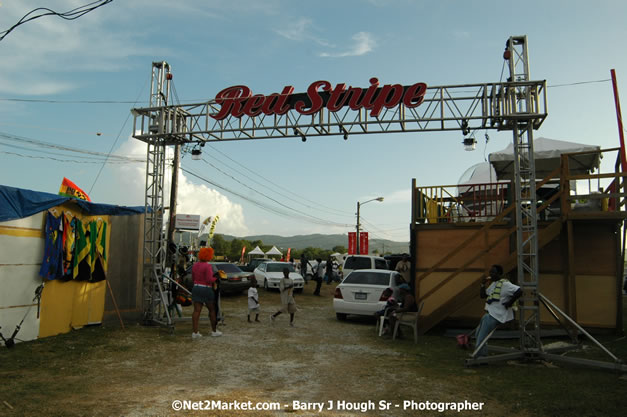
pixel 318 274
pixel 329 270
pixel 253 300
pixel 286 287
pixel 402 267
pixel 203 292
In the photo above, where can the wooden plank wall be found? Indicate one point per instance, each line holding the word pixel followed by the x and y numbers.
pixel 583 281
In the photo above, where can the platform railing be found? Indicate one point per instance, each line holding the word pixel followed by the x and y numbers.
pixel 460 203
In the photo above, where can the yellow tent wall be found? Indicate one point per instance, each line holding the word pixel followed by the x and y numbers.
pixel 64 305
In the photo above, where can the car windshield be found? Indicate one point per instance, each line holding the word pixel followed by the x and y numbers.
pixel 370 278
pixel 279 267
pixel 228 267
pixel 355 262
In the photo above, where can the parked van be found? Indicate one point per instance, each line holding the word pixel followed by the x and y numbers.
pixel 353 262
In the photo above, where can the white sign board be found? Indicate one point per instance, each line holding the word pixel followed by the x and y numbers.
pixel 187 221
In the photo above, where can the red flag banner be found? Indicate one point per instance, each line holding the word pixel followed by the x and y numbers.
pixel 69 189
pixel 289 251
pixel 363 243
pixel 241 259
pixel 352 243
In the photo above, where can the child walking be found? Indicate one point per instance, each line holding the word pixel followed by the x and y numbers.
pixel 286 286
pixel 253 301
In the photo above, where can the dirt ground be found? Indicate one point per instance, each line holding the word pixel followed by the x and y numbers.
pixel 142 371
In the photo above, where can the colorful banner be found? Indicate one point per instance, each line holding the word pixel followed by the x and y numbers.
pixel 212 229
pixel 289 251
pixel 352 243
pixel 69 189
pixel 363 243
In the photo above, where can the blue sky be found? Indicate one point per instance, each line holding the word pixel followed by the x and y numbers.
pixel 56 74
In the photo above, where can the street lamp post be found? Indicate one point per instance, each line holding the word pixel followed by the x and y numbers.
pixel 379 199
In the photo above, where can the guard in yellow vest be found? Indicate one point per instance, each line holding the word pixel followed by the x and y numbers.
pixel 500 297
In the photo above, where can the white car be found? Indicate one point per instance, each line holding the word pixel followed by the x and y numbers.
pixel 269 274
pixel 361 292
pixel 353 262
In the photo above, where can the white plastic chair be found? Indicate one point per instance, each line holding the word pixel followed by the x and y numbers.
pixel 382 319
pixel 408 319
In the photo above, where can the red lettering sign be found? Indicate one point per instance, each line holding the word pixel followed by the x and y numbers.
pixel 352 243
pixel 238 100
pixel 363 243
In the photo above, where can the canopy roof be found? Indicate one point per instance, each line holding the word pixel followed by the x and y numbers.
pixel 274 251
pixel 547 158
pixel 256 251
pixel 17 203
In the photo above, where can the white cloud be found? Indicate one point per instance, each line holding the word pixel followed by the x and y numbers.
pixel 301 30
pixel 44 51
pixel 130 181
pixel 363 42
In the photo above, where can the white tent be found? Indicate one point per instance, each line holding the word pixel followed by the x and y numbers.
pixel 274 251
pixel 481 173
pixel 256 251
pixel 547 158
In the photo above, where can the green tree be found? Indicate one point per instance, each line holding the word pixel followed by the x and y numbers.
pixel 339 249
pixel 235 249
pixel 219 245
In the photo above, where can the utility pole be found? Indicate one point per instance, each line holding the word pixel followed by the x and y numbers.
pixel 170 258
pixel 357 232
pixel 379 199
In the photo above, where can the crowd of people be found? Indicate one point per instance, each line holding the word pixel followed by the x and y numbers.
pixel 501 295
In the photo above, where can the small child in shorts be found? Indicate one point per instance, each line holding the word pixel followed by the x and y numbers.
pixel 253 301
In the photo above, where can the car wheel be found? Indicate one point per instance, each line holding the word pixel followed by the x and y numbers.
pixel 340 316
pixel 265 285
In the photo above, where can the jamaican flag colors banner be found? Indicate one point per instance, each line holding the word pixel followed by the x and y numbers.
pixel 69 189
pixel 212 229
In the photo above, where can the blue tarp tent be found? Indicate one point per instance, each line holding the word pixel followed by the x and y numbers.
pixel 17 203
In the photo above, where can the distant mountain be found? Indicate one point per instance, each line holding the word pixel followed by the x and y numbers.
pixel 323 242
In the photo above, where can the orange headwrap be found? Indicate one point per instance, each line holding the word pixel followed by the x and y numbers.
pixel 205 254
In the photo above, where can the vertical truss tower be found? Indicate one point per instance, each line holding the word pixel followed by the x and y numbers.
pixel 525 189
pixel 155 303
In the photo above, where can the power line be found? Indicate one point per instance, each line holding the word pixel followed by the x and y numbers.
pixel 41 144
pixel 116 139
pixel 68 160
pixel 44 11
pixel 291 213
pixel 316 206
pixel 134 102
pixel 266 196
pixel 578 83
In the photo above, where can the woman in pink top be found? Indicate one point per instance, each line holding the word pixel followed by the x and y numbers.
pixel 203 293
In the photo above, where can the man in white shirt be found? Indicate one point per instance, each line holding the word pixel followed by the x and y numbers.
pixel 403 266
pixel 501 296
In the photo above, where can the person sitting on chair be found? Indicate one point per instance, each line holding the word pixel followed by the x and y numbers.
pixel 407 304
pixel 501 295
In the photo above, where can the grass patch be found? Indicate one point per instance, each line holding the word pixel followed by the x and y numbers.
pixel 103 370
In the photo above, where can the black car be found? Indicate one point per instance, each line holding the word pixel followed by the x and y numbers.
pixel 232 278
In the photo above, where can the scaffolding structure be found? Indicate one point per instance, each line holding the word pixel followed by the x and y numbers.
pixel 519 105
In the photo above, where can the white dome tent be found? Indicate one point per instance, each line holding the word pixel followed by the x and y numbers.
pixel 256 251
pixel 274 252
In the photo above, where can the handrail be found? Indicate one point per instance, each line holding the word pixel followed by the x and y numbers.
pixel 473 201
